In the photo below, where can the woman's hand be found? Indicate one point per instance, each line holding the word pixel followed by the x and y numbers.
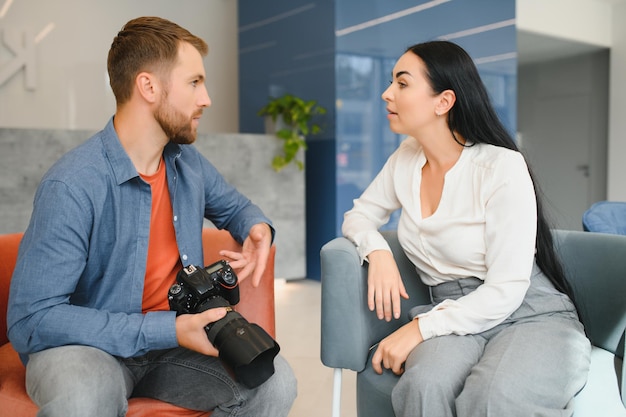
pixel 384 285
pixel 393 350
pixel 190 331
pixel 253 257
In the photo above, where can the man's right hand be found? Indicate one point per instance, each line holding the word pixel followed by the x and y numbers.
pixel 190 331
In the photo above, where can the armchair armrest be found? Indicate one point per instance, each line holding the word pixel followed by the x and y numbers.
pixel 622 381
pixel 349 329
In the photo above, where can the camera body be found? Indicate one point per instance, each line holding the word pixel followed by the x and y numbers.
pixel 243 347
pixel 199 289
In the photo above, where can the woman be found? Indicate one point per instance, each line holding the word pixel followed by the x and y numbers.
pixel 502 336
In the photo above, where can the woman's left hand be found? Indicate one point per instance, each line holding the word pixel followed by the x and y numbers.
pixel 393 350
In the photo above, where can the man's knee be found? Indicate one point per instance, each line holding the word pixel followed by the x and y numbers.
pixel 276 395
pixel 284 384
pixel 76 380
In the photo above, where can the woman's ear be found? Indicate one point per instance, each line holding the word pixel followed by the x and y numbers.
pixel 147 86
pixel 447 98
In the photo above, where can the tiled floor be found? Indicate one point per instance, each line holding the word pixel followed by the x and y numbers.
pixel 298 305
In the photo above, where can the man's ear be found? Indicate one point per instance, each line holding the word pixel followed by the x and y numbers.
pixel 447 98
pixel 147 86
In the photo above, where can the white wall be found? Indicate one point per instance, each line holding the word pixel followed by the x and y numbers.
pixel 597 22
pixel 617 105
pixel 71 89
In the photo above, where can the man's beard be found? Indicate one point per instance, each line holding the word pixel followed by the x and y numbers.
pixel 176 125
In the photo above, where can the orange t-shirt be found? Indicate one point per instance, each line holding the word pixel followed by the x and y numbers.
pixel 163 261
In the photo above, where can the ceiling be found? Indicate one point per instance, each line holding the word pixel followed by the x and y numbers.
pixel 532 47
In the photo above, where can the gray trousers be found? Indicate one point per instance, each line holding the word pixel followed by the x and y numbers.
pixel 82 381
pixel 531 365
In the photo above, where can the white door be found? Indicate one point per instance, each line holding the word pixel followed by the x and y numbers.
pixel 562 124
pixel 557 146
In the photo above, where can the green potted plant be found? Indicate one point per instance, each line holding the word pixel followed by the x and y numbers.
pixel 292 117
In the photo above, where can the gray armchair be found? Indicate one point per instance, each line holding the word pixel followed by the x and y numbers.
pixel 595 265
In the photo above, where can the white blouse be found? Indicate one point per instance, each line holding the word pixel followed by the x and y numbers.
pixel 484 227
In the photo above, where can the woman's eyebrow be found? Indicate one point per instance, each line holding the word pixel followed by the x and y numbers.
pixel 400 73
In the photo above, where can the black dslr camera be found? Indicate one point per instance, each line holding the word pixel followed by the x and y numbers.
pixel 246 348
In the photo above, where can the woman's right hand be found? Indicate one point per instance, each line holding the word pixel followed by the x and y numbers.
pixel 384 285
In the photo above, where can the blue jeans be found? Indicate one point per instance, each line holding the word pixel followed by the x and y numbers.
pixel 81 381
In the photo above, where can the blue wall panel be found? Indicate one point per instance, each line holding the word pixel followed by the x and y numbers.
pixel 285 46
pixel 341 53
pixel 288 46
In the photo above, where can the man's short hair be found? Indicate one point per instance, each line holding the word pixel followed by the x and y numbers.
pixel 146 44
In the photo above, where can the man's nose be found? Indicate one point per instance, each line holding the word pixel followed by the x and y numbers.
pixel 205 100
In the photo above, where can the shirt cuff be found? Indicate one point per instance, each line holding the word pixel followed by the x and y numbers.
pixel 160 330
pixel 370 242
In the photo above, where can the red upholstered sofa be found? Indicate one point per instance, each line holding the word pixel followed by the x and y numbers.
pixel 256 305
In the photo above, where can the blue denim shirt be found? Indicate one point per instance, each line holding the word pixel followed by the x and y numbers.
pixel 80 271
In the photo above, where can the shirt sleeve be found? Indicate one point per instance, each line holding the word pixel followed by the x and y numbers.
pixel 510 233
pixel 226 207
pixel 371 211
pixel 53 256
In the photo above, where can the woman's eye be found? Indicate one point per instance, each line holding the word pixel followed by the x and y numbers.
pixel 400 83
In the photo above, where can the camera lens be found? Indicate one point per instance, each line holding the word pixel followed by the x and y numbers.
pixel 245 347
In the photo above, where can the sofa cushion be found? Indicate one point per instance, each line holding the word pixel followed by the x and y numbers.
pixel 8 256
pixel 146 407
pixel 600 397
pixel 13 397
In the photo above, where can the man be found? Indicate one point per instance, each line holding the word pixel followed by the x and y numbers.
pixel 114 220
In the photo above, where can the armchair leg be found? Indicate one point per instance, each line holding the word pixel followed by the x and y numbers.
pixel 336 393
pixel 623 381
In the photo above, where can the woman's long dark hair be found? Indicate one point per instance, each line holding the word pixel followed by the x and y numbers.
pixel 449 67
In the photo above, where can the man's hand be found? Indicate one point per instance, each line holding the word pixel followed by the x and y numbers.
pixel 384 285
pixel 190 331
pixel 254 254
